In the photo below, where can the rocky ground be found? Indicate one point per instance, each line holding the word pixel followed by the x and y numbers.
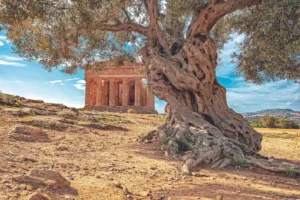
pixel 49 151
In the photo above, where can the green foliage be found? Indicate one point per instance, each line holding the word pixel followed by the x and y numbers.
pixel 271 48
pixel 274 122
pixel 67 33
pixel 286 123
pixel 269 121
pixel 290 173
pixel 77 33
pixel 32 113
pixel 257 124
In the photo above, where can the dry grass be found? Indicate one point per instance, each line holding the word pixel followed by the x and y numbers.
pixel 281 143
pixel 278 130
pixel 67 113
pixel 94 159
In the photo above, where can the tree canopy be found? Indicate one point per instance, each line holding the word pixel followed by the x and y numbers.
pixel 74 33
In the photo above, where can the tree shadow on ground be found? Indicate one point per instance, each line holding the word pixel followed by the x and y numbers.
pixel 233 183
pixel 211 191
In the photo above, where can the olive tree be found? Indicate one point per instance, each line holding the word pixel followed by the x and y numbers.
pixel 179 42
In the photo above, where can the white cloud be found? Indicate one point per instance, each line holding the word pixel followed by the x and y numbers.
pixel 11 58
pixel 81 82
pixel 13 64
pixel 55 81
pixel 226 68
pixel 79 86
pixel 163 6
pixel 252 97
pixel 239 38
pixel 72 79
pixel 3 38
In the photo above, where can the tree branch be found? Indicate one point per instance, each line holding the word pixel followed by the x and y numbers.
pixel 152 9
pixel 205 19
pixel 127 27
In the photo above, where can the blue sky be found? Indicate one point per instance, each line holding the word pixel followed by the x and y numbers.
pixel 31 80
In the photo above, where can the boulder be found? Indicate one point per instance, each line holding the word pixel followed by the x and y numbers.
pixel 51 175
pixel 43 178
pixel 28 180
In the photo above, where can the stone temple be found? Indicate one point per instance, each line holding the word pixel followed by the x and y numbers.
pixel 118 89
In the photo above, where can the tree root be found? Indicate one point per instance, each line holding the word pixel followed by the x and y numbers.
pixel 200 148
pixel 275 165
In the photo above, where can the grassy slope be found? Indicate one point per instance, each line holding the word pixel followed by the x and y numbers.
pixel 93 158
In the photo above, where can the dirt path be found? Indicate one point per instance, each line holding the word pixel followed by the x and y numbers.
pixel 96 159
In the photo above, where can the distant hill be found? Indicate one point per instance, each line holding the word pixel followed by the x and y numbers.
pixel 288 113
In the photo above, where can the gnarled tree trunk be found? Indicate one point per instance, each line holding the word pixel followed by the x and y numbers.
pixel 199 125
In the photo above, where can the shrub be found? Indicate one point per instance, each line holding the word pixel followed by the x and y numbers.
pixel 290 173
pixel 67 113
pixel 268 121
pixel 256 124
pixel 24 112
pixel 286 123
pixel 274 122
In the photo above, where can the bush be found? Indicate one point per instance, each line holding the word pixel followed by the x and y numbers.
pixel 67 113
pixel 286 123
pixel 290 173
pixel 273 122
pixel 269 121
pixel 257 124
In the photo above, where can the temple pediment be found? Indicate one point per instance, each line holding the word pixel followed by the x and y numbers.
pixel 128 69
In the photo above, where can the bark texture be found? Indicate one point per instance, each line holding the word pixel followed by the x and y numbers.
pixel 198 119
pixel 200 128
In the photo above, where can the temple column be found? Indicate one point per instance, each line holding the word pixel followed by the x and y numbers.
pixel 137 92
pixel 150 98
pixel 99 93
pixel 87 92
pixel 117 95
pixel 105 93
pixel 125 93
pixel 112 96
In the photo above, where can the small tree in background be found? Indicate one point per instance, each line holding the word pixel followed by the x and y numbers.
pixel 274 122
pixel 268 121
pixel 286 123
pixel 179 42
